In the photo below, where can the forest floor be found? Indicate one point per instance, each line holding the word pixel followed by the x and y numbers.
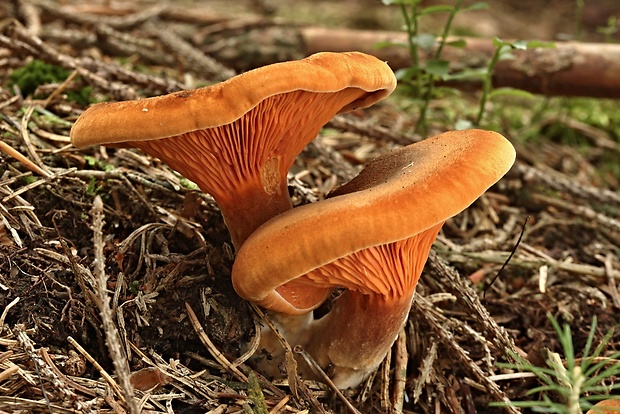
pixel 183 331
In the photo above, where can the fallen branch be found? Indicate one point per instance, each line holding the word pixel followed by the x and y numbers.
pixel 113 340
pixel 569 69
pixel 447 339
pixel 529 262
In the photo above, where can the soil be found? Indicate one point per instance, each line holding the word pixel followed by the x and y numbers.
pixel 167 250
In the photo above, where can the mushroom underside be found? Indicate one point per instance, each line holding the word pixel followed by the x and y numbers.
pixel 353 338
pixel 244 164
pixel 372 238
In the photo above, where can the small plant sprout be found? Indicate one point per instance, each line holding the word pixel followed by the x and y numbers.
pixel 613 25
pixel 503 51
pixel 570 385
pixel 422 77
pixel 579 5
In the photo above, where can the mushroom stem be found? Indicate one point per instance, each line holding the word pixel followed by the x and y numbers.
pixel 292 328
pixel 354 337
pixel 245 203
pixel 239 137
pixel 356 334
pixel 371 237
pixel 250 208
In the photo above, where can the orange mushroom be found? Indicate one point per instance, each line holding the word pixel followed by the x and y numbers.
pixel 371 237
pixel 237 139
pixel 608 406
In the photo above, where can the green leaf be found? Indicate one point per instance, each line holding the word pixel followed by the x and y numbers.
pixel 185 183
pixel 510 92
pixel 460 43
pixel 585 360
pixel 476 6
pixel 479 73
pixel 92 188
pixel 439 68
pixel 440 8
pixel 406 73
pixel 107 167
pixel 600 397
pixel 90 160
pixel 387 43
pixel 532 44
pixel 519 44
pixel 506 54
pixel 497 42
pixel 424 40
pixel 29 179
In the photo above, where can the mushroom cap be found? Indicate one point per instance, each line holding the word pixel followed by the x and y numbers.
pixel 608 406
pixel 396 196
pixel 237 139
pixel 222 103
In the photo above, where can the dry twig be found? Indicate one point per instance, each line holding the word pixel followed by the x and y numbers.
pixel 113 341
pixel 215 353
pixel 448 340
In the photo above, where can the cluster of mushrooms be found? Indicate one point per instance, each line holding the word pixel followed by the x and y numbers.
pixel 371 237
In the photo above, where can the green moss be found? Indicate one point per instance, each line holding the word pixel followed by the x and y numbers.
pixel 36 73
pixel 29 179
pixel 188 184
pixel 81 96
pixel 94 162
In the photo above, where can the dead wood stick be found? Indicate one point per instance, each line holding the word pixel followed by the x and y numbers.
pixel 89 69
pixel 31 15
pixel 569 69
pixel 121 22
pixel 604 222
pixel 34 156
pixel 448 340
pixel 401 358
pixel 67 382
pixel 113 340
pixel 194 57
pixel 8 373
pixel 318 371
pixel 35 47
pixel 561 182
pixel 611 282
pixel 215 353
pixel 498 257
pixel 107 377
pixel 12 152
pixel 451 280
pixel 127 14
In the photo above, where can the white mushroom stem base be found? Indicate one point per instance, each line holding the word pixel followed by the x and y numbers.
pixel 294 328
pixel 349 342
pixel 354 337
